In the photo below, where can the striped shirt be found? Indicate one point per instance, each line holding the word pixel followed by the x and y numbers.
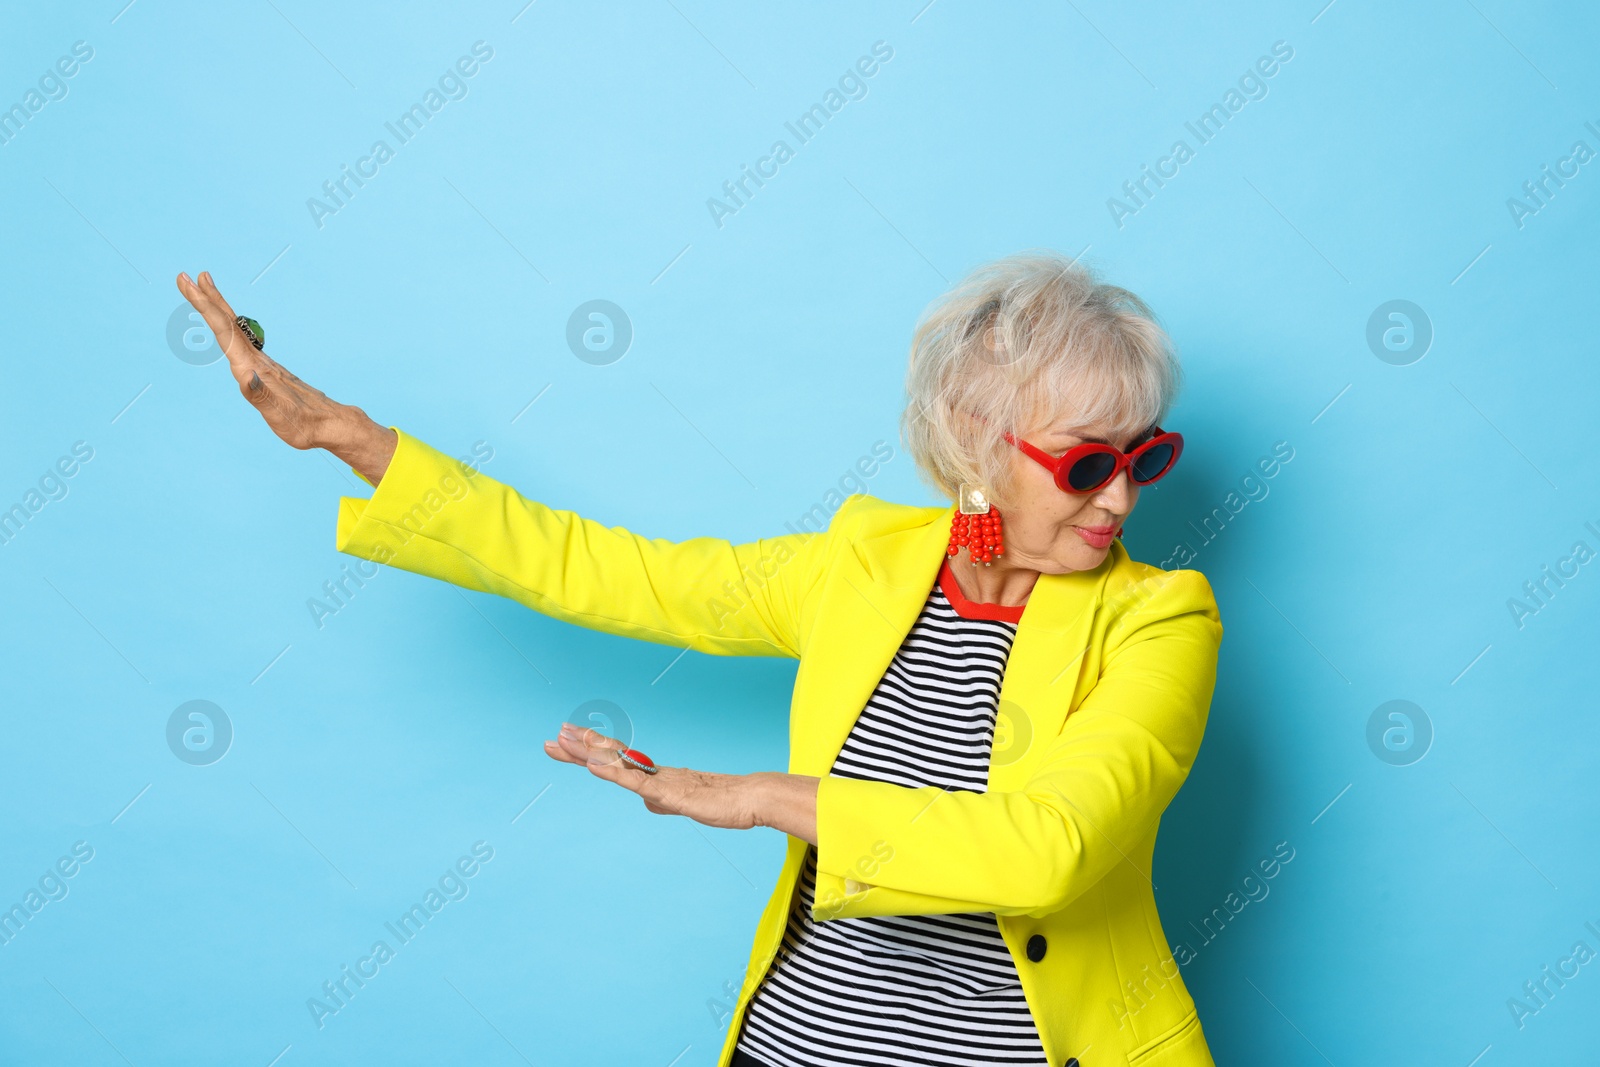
pixel 899 990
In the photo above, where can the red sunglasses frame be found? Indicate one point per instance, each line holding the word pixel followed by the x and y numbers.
pixel 1061 466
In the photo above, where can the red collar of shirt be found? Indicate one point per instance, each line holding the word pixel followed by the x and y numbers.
pixel 972 609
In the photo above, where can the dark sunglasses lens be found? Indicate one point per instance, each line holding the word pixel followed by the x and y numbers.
pixel 1152 465
pixel 1090 472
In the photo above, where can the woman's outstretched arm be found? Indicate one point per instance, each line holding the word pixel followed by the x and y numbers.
pixel 433 515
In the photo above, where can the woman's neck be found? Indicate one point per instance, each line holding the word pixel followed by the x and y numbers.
pixel 1002 582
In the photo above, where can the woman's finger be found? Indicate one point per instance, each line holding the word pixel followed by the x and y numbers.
pixel 245 361
pixel 614 770
pixel 554 750
pixel 209 285
pixel 207 300
pixel 591 747
pixel 595 744
pixel 573 751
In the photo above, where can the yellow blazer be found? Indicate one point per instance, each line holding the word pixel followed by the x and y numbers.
pixel 1103 704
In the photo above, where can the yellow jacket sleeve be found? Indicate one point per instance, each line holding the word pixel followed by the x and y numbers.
pixel 1102 785
pixel 437 516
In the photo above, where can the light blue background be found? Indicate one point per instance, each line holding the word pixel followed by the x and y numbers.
pixel 768 356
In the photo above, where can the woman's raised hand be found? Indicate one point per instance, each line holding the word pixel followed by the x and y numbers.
pixel 302 415
pixel 299 413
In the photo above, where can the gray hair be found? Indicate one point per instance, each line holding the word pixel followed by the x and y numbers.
pixel 1022 341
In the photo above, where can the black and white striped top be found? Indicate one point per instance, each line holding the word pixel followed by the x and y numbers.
pixel 907 989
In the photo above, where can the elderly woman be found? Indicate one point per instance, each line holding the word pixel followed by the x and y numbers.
pixel 994 702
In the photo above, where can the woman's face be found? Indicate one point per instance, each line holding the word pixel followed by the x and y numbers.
pixel 1042 530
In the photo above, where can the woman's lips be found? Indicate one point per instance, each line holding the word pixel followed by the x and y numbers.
pixel 1096 536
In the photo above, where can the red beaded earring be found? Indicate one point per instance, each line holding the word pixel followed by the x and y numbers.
pixel 975 526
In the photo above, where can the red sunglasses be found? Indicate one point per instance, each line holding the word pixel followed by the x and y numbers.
pixel 1087 467
pixel 1090 466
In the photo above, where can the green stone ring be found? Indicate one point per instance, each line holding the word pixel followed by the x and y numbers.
pixel 252 329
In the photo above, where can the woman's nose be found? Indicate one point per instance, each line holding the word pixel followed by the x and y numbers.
pixel 1118 494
